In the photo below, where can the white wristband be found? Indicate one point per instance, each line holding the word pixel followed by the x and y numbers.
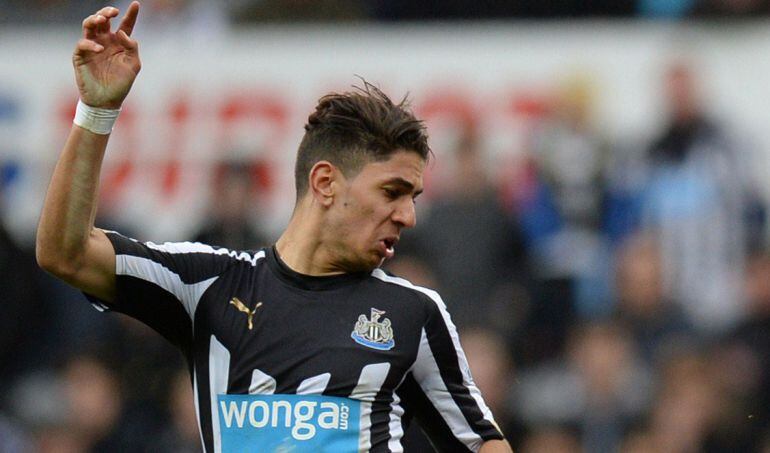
pixel 97 120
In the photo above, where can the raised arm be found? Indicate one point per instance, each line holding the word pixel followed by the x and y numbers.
pixel 106 63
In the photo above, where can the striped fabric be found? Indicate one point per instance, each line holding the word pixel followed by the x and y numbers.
pixel 249 325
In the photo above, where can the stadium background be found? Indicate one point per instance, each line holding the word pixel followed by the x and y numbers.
pixel 595 217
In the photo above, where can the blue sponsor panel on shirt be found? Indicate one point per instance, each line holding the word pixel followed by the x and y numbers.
pixel 288 423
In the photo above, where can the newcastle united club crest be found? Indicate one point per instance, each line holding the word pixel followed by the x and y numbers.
pixel 374 333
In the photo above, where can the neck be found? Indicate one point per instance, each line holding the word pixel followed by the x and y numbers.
pixel 301 246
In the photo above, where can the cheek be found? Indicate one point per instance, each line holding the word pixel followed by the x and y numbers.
pixel 359 212
pixel 360 218
pixel 348 222
pixel 361 229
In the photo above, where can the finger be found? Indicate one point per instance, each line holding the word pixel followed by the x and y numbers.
pixel 126 41
pixel 129 20
pixel 103 26
pixel 108 12
pixel 86 45
pixel 90 25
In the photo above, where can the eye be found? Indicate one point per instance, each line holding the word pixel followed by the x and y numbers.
pixel 391 193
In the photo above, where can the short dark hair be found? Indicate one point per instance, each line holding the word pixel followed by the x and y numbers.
pixel 355 128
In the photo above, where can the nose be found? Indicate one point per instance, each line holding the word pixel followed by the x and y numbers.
pixel 405 214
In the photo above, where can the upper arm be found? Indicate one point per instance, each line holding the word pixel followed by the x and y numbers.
pixel 161 285
pixel 95 271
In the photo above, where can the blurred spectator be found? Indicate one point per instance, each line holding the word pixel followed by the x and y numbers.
pixel 748 346
pixel 755 330
pixel 601 388
pixel 615 384
pixel 468 242
pixel 700 200
pixel 25 311
pixel 77 409
pixel 559 199
pixel 764 447
pixel 60 439
pixel 551 440
pixel 136 348
pixel 494 374
pixel 231 209
pixel 101 399
pixel 95 400
pixel 12 438
pixel 640 441
pixel 561 208
pixel 413 269
pixel 38 402
pixel 71 325
pixel 705 402
pixel 686 406
pixel 181 435
pixel 656 324
pixel 735 371
pixel 547 314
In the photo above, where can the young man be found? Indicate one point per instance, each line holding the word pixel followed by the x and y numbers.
pixel 304 346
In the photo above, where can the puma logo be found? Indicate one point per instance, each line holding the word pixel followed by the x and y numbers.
pixel 242 307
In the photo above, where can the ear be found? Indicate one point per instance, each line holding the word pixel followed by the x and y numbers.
pixel 323 178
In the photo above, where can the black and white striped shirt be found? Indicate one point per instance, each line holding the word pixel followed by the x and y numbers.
pixel 289 362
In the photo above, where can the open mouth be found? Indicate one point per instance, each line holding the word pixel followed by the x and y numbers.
pixel 389 245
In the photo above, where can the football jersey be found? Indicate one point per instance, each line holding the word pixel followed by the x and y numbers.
pixel 282 361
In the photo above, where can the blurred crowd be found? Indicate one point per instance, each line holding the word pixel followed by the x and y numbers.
pixel 610 298
pixel 243 12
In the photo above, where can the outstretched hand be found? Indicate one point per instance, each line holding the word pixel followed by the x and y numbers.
pixel 106 62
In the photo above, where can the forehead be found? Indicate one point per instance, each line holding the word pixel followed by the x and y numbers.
pixel 403 165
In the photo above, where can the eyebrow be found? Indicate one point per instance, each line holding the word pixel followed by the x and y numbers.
pixel 404 183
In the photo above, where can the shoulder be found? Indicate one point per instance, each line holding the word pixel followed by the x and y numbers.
pixel 197 248
pixel 428 298
pixel 130 246
pixel 188 261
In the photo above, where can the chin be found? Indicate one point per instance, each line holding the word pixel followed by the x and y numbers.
pixel 361 261
pixel 372 265
pixel 367 265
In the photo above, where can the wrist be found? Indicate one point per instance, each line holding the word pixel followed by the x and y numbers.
pixel 95 119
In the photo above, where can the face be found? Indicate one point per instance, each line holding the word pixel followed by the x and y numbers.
pixel 682 93
pixel 371 209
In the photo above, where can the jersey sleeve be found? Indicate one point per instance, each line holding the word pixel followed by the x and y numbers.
pixel 161 284
pixel 439 391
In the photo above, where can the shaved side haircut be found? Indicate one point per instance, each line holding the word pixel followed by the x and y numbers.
pixel 355 128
